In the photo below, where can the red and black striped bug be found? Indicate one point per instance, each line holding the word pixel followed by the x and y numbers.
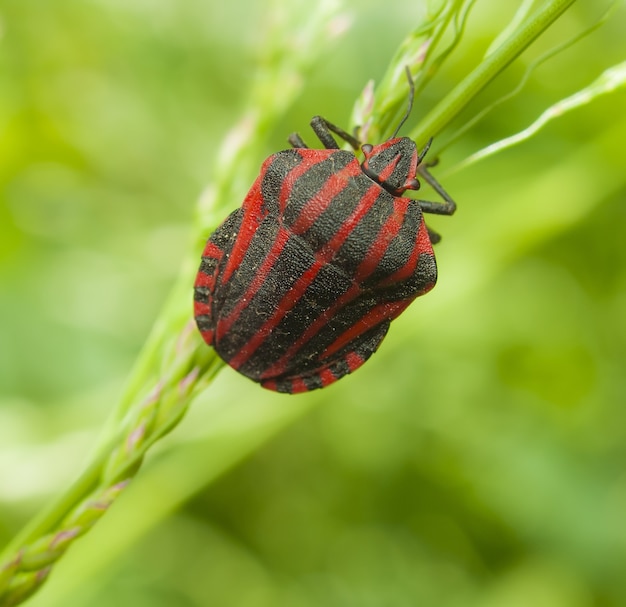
pixel 298 286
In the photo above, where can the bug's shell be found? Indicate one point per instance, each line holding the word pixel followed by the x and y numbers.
pixel 298 286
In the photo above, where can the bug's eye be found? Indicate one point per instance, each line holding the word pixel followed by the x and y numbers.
pixel 411 184
pixel 367 148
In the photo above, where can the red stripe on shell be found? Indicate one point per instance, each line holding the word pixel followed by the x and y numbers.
pixel 354 361
pixel 386 311
pixel 252 218
pixel 207 336
pixel 204 280
pixel 280 366
pixel 387 233
pixel 201 309
pixel 323 198
pixel 422 245
pixel 294 295
pixel 226 323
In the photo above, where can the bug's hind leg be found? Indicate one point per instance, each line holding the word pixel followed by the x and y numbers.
pixel 435 237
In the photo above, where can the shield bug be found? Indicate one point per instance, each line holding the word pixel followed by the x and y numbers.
pixel 298 286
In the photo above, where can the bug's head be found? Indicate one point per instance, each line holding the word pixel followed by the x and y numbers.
pixel 393 164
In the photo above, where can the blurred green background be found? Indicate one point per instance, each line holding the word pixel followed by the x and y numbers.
pixel 478 458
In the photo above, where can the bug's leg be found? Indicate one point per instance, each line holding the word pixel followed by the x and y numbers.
pixel 322 128
pixel 437 208
pixel 296 141
pixel 431 163
pixel 435 237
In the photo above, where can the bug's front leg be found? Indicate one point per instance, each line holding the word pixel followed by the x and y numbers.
pixel 436 208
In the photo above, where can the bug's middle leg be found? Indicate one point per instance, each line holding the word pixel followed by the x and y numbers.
pixel 447 207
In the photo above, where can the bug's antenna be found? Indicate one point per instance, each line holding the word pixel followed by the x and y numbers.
pixel 424 151
pixel 411 95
